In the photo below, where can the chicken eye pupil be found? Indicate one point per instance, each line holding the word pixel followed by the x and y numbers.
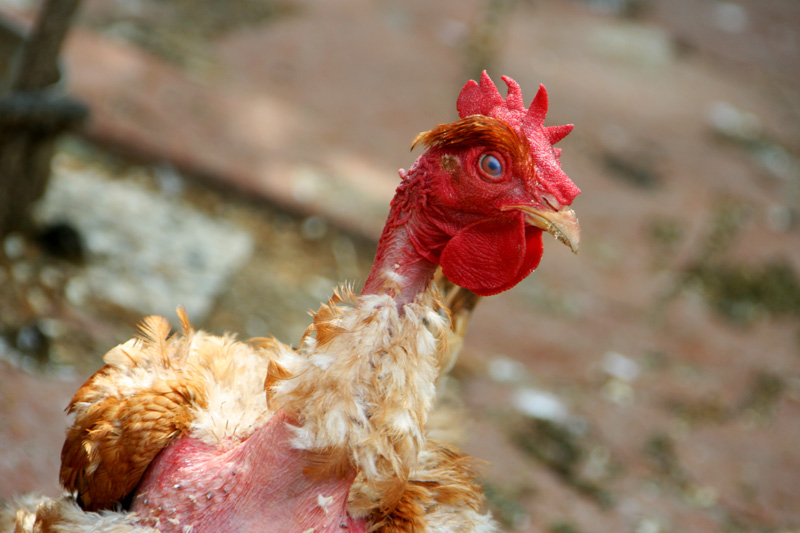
pixel 490 165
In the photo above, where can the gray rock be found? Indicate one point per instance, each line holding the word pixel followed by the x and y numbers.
pixel 146 252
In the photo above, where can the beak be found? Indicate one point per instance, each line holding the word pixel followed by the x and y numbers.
pixel 562 224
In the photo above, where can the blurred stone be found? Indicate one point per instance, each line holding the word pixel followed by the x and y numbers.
pixel 651 525
pixel 306 184
pixel 621 367
pixel 729 121
pixel 540 404
pixel 146 252
pixel 730 17
pixel 703 496
pixel 314 228
pixel 506 370
pixel 14 246
pixel 777 161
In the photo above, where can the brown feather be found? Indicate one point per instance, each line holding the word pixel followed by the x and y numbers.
pixel 446 477
pixel 154 330
pixel 459 303
pixel 331 463
pixel 275 374
pixel 106 453
pixel 115 436
pixel 478 130
pixel 186 326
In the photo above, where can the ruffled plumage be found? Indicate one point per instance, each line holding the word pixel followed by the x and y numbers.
pixel 160 386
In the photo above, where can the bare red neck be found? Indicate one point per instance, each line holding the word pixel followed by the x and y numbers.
pixel 398 270
pixel 409 248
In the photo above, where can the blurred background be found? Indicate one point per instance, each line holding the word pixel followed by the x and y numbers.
pixel 238 158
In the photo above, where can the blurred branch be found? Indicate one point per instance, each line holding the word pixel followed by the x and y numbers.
pixel 32 115
pixel 45 113
pixel 39 62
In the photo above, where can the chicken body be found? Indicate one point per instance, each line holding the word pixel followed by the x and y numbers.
pixel 233 459
pixel 205 433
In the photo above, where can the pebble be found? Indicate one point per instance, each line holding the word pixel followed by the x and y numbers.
pixel 314 228
pixel 730 121
pixel 306 184
pixel 730 17
pixel 651 525
pixel 14 246
pixel 621 367
pixel 503 369
pixel 539 404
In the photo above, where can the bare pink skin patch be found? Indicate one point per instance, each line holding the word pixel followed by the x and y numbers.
pixel 256 484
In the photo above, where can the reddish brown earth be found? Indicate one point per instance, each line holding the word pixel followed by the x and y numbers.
pixel 666 354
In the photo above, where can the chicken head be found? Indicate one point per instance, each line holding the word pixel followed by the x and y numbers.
pixel 477 201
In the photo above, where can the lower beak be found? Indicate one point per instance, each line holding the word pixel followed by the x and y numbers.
pixel 562 224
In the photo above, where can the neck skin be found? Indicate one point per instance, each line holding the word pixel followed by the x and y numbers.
pixel 399 269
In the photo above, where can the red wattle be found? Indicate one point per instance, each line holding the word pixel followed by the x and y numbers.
pixel 493 255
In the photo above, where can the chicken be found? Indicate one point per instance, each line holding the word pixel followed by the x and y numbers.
pixel 192 431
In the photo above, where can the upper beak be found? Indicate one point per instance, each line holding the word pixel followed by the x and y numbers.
pixel 562 224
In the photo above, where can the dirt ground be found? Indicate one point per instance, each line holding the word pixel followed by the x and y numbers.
pixel 651 384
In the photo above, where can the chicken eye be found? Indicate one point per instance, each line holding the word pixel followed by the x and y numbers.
pixel 490 166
